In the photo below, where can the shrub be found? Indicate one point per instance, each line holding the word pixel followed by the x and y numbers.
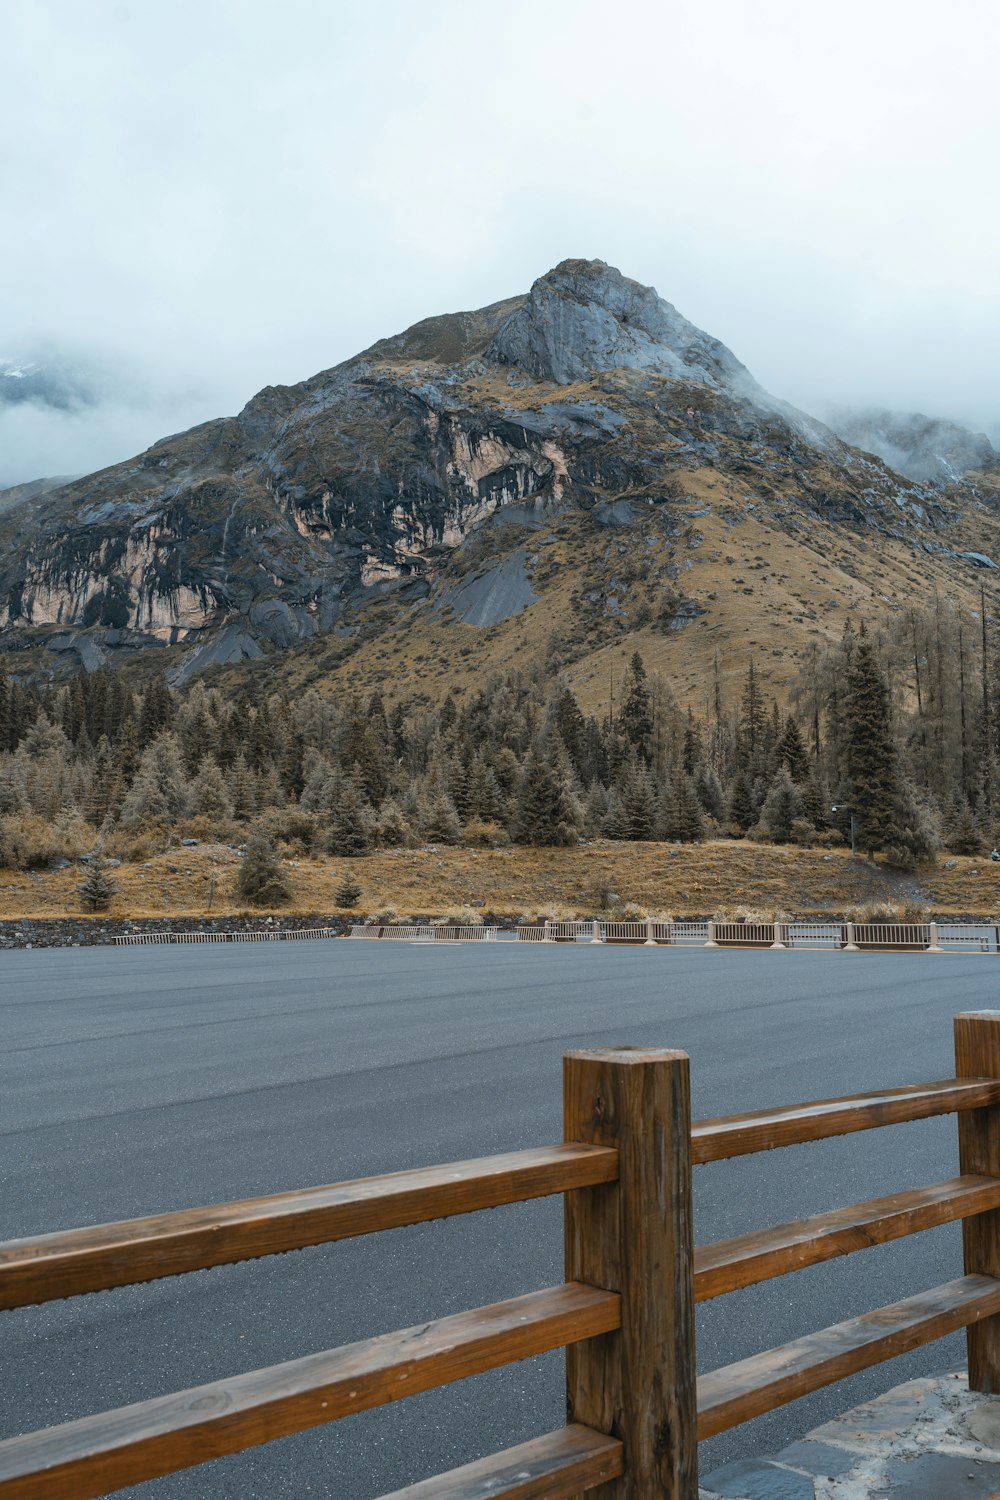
pixel 485 835
pixel 387 916
pixel 458 916
pixel 30 842
pixel 294 826
pixel 633 912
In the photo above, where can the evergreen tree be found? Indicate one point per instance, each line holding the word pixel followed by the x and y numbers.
pixel 681 817
pixel 966 837
pixel 547 813
pixel 159 794
pixel 209 794
pixel 742 811
pixel 781 807
pixel 262 880
pixel 439 822
pixel 635 716
pixel 872 766
pixel 350 826
pixel 6 717
pixel 792 752
pixel 348 894
pixel 753 722
pixel 97 889
pixel 569 724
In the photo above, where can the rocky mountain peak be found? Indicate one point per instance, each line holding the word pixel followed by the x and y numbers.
pixel 929 450
pixel 584 316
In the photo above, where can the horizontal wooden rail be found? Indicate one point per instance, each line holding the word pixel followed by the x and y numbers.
pixel 555 1467
pixel 730 1264
pixel 48 1266
pixel 766 1130
pixel 82 1459
pixel 738 1392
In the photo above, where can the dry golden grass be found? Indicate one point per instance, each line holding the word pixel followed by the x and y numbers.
pixel 687 881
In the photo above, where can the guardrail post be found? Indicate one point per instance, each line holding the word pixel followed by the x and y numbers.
pixel 850 946
pixel 634 1236
pixel 711 936
pixel 977 1055
pixel 933 946
pixel 650 939
pixel 780 934
pixel 595 934
pixel 546 933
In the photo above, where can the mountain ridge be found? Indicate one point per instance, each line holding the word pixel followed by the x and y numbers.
pixel 336 507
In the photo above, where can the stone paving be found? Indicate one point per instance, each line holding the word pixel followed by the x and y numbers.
pixel 930 1439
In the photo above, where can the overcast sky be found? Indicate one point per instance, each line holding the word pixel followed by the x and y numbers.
pixel 214 195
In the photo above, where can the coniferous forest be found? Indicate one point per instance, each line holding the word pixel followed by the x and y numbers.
pixel 899 729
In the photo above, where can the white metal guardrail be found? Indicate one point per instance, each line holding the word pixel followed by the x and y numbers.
pixel 975 937
pixel 266 935
pixel 815 934
pixel 850 937
pixel 931 937
pixel 892 934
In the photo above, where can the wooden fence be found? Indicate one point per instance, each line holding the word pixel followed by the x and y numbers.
pixel 625 1312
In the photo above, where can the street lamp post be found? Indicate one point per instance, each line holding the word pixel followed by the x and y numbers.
pixel 841 807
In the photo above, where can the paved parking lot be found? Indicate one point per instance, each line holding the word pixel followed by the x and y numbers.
pixel 135 1081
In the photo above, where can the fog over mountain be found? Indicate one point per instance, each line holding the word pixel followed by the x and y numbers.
pixel 212 197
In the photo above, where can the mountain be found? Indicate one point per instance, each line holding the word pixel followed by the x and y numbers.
pixel 563 474
pixel 61 384
pixel 926 449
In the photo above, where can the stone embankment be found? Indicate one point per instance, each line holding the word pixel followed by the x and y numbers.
pixel 88 932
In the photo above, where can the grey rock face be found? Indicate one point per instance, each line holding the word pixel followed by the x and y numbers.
pixel 585 316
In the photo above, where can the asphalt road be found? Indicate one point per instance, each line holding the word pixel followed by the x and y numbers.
pixel 139 1080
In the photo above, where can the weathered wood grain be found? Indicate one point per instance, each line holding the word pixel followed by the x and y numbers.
pixel 92 1456
pixel 768 1129
pixel 753 1386
pixel 635 1237
pixel 556 1467
pixel 977 1045
pixel 750 1258
pixel 65 1264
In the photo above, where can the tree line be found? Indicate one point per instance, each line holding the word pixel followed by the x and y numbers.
pixel 900 730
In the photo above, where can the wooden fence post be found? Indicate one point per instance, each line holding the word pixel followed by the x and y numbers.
pixel 635 1237
pixel 977 1055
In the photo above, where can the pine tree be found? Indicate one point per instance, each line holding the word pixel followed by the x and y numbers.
pixel 97 889
pixel 681 817
pixel 547 813
pixel 6 718
pixel 753 722
pixel 633 802
pixel 209 795
pixel 261 879
pixel 792 752
pixel 872 764
pixel 635 716
pixel 781 807
pixel 569 724
pixel 742 812
pixel 349 830
pixel 966 837
pixel 439 822
pixel 348 894
pixel 243 789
